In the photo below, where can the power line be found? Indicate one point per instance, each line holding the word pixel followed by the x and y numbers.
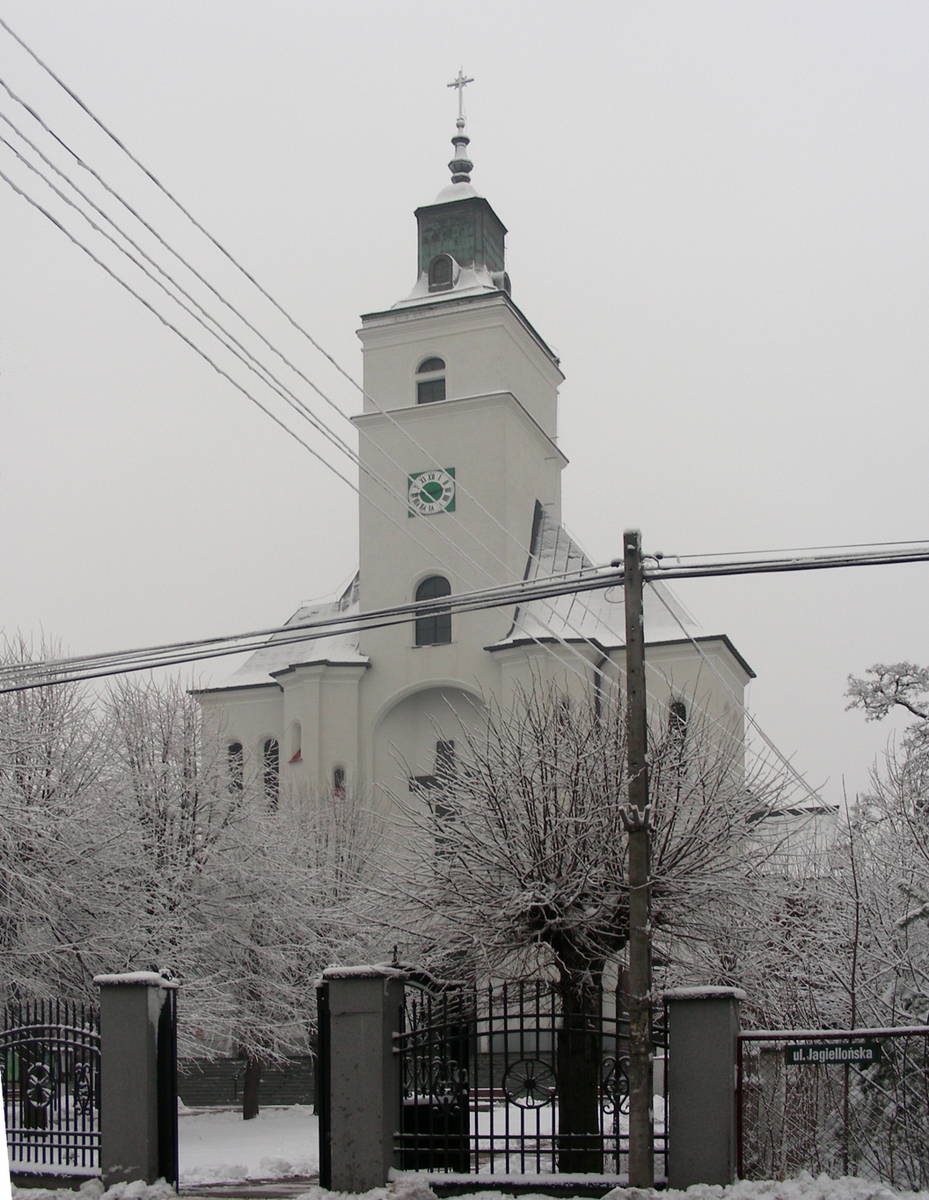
pixel 309 416
pixel 145 659
pixel 227 254
pixel 234 346
pixel 165 191
pixel 164 320
pixel 486 598
pixel 551 585
pixel 260 367
pixel 215 653
pixel 212 362
pixel 257 368
pixel 793 550
pixel 799 562
pixel 492 517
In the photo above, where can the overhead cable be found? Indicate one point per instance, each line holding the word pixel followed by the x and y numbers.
pixel 255 282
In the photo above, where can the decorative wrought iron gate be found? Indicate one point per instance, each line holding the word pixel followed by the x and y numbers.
pixel 50 1057
pixel 836 1101
pixel 481 1090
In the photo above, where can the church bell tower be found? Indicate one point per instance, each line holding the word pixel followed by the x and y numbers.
pixel 460 415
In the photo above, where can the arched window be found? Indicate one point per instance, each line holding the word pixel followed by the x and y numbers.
pixel 271 761
pixel 430 381
pixel 235 763
pixel 435 627
pixel 338 783
pixel 441 273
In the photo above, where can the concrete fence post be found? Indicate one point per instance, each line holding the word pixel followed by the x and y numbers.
pixel 138 1078
pixel 360 1076
pixel 703 1027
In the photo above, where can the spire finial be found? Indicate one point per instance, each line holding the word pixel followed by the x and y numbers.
pixel 461 165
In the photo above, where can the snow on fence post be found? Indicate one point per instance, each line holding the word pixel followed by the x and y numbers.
pixel 138 1078
pixel 360 1076
pixel 703 1028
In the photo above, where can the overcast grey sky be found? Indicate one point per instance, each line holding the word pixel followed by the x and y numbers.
pixel 718 218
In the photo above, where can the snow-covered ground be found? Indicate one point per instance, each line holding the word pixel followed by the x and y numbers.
pixel 219 1147
pixel 804 1188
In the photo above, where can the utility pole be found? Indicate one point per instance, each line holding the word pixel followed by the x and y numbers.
pixel 636 818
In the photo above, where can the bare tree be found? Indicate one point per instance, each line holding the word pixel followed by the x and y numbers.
pixel 891 829
pixel 517 854
pixel 50 768
pixel 246 901
pixel 125 844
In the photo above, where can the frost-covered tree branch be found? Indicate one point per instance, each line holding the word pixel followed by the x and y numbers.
pixel 887 686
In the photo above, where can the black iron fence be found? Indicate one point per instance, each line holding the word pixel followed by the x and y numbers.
pixel 500 1079
pixel 843 1102
pixel 50 1058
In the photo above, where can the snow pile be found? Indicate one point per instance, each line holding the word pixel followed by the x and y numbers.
pixel 805 1187
pixel 93 1190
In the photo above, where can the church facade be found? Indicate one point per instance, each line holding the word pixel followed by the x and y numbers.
pixel 460 490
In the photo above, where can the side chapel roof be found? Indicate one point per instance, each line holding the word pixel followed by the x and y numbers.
pixel 598 616
pixel 279 654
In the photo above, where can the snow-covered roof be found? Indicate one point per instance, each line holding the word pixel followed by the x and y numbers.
pixel 456 191
pixel 279 654
pixel 471 281
pixel 595 615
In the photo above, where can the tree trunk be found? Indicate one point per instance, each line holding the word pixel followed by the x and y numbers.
pixel 251 1084
pixel 579 1065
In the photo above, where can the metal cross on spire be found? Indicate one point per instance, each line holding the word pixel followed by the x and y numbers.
pixel 461 166
pixel 460 82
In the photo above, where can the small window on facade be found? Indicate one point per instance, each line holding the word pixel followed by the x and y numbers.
pixel 441 800
pixel 338 782
pixel 441 273
pixel 434 628
pixel 296 752
pixel 235 761
pixel 271 760
pixel 430 381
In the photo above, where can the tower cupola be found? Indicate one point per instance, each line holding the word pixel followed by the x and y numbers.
pixel 460 237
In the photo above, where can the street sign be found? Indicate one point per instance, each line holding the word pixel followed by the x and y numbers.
pixel 853 1054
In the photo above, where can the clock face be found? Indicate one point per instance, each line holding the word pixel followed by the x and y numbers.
pixel 431 492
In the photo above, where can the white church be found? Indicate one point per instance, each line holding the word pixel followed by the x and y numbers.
pixel 460 490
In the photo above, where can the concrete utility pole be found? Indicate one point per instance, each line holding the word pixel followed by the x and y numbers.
pixel 637 821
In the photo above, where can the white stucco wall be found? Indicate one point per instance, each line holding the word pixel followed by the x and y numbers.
pixel 486 344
